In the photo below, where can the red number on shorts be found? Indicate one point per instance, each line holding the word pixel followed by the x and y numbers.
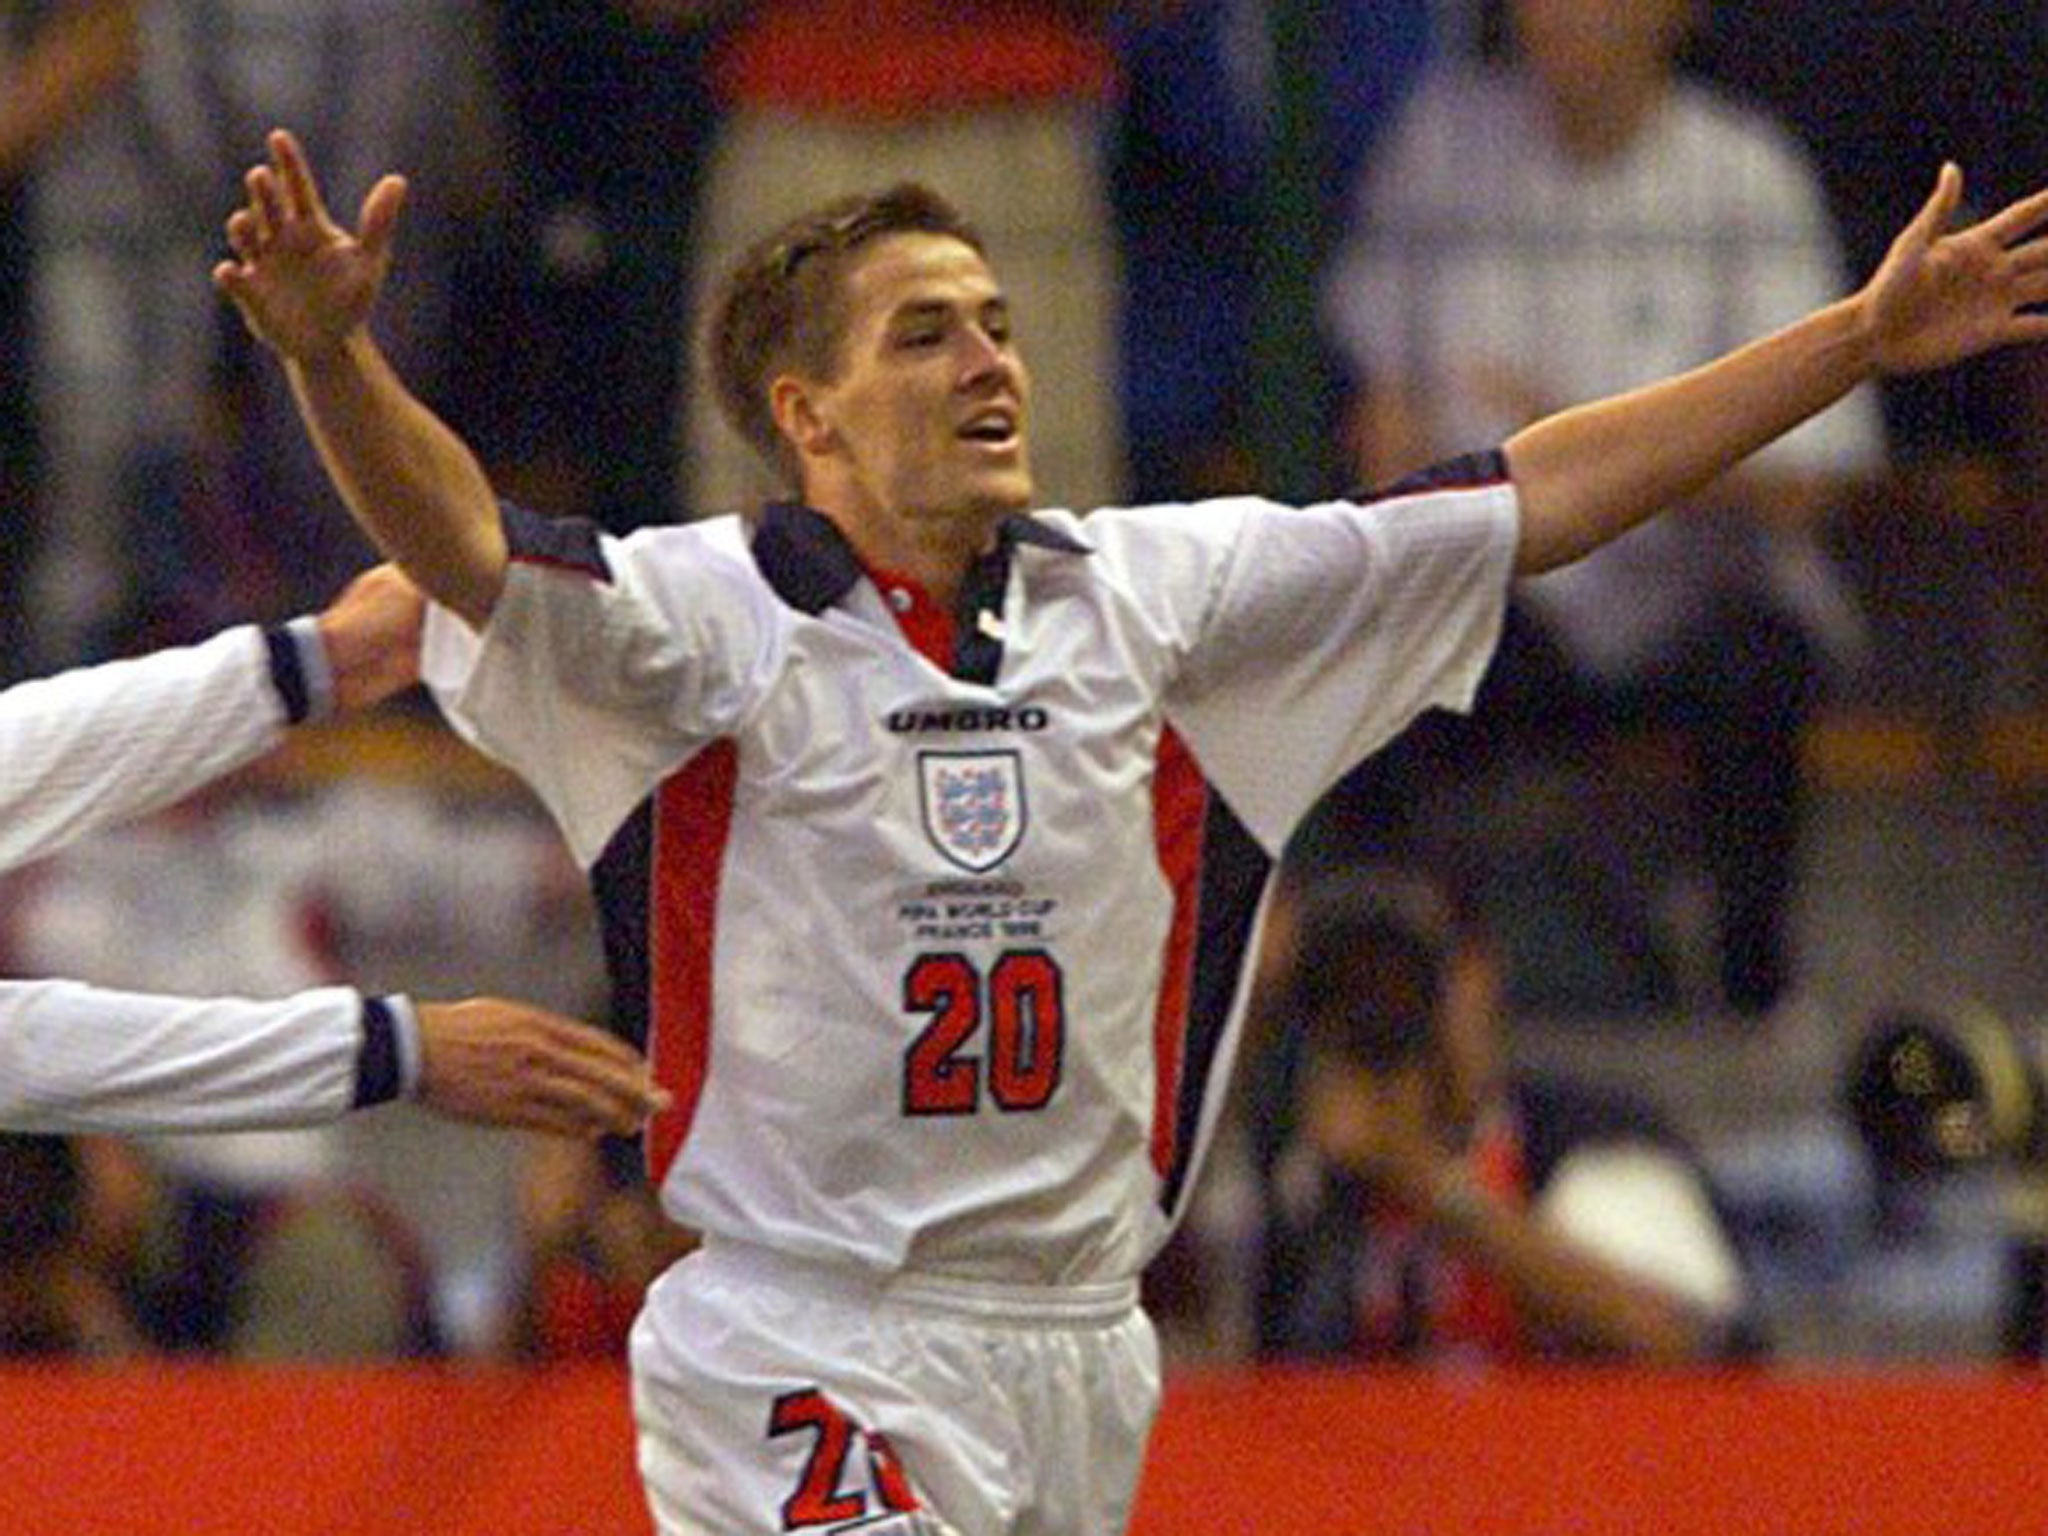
pixel 1026 1033
pixel 818 1499
pixel 892 1483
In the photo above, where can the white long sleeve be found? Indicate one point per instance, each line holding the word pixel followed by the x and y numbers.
pixel 99 745
pixel 95 746
pixel 78 1059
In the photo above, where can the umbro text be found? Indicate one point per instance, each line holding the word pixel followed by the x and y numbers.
pixel 915 722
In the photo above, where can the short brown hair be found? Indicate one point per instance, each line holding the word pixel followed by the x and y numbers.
pixel 781 309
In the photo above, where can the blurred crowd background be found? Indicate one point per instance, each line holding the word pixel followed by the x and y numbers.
pixel 1752 866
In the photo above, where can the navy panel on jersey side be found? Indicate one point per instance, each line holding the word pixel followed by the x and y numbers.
pixel 1234 874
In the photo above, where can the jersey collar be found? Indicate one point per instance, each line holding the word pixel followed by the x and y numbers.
pixel 808 562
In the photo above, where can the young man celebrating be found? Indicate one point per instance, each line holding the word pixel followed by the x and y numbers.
pixel 906 808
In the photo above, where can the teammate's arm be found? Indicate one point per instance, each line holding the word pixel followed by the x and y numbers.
pixel 98 745
pixel 306 287
pixel 1591 473
pixel 76 1059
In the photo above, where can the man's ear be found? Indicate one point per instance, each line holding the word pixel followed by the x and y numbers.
pixel 794 403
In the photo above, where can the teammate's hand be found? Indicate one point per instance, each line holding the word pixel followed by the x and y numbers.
pixel 504 1063
pixel 371 634
pixel 303 284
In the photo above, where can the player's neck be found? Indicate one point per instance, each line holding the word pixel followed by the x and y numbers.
pixel 935 550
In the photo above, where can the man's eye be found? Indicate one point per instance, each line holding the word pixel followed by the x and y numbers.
pixel 922 338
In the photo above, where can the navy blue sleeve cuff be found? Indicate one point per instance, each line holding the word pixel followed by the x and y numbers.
pixel 288 673
pixel 299 671
pixel 380 1076
pixel 1467 471
pixel 566 543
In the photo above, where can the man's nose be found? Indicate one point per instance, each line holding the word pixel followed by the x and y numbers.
pixel 985 356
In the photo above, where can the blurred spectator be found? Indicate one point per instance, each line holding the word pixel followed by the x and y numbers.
pixel 996 104
pixel 1425 1202
pixel 1193 149
pixel 1566 226
pixel 56 1300
pixel 179 493
pixel 572 387
pixel 282 1243
pixel 1937 1095
pixel 1882 93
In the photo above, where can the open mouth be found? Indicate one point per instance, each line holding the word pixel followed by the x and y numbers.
pixel 996 427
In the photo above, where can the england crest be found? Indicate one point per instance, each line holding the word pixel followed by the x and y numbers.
pixel 973 805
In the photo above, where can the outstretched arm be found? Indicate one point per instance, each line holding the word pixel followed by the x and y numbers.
pixel 306 287
pixel 77 1059
pixel 99 745
pixel 1589 474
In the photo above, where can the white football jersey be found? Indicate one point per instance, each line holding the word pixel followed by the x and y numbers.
pixel 943 962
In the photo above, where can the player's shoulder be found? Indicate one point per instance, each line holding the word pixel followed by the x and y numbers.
pixel 677 549
pixel 704 569
pixel 1137 557
pixel 723 532
pixel 1121 535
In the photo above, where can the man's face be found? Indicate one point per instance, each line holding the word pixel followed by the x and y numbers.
pixel 927 416
pixel 1580 46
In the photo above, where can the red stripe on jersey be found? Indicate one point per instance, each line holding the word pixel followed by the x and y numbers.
pixel 1180 806
pixel 692 818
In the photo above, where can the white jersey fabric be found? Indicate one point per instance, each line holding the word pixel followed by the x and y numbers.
pixel 943 964
pixel 91 747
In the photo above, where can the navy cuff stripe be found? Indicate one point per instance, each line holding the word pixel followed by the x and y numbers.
pixel 378 1078
pixel 568 543
pixel 288 674
pixel 1466 472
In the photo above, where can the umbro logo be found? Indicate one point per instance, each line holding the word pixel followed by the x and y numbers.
pixel 969 721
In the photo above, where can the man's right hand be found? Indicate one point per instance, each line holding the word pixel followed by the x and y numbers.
pixel 496 1062
pixel 303 284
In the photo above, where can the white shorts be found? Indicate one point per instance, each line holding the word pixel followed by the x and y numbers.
pixel 774 1395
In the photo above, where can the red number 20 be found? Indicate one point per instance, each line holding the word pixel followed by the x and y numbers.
pixel 1026 1031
